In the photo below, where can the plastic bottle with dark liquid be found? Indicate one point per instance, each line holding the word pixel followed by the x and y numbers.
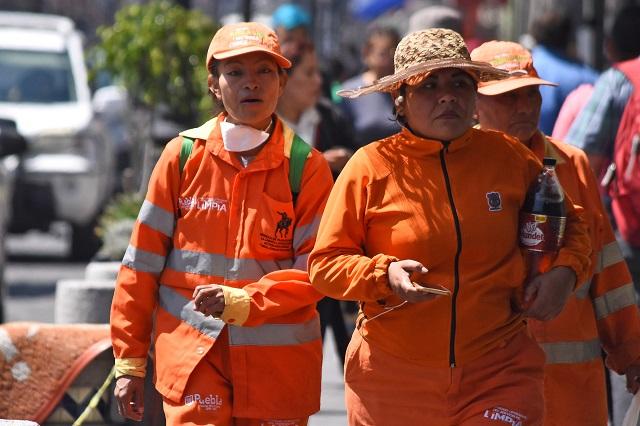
pixel 542 222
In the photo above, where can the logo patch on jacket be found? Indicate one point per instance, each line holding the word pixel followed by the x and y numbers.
pixel 205 402
pixel 504 415
pixel 202 203
pixel 281 239
pixel 494 200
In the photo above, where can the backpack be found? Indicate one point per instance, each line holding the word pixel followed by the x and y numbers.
pixel 625 189
pixel 297 157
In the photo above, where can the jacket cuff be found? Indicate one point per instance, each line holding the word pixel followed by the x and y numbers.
pixel 623 356
pixel 237 305
pixel 380 275
pixel 131 367
pixel 578 269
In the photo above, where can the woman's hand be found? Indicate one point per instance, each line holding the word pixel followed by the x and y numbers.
pixel 209 299
pixel 129 393
pixel 546 294
pixel 399 274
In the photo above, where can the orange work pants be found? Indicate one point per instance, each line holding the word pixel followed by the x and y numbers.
pixel 208 397
pixel 503 387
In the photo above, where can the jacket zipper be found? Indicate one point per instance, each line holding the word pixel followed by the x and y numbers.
pixel 456 278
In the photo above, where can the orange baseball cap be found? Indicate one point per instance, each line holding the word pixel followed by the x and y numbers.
pixel 245 37
pixel 511 57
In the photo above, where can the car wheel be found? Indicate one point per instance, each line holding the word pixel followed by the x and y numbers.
pixel 84 242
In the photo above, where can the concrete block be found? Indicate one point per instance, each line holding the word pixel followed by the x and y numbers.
pixel 83 301
pixel 102 270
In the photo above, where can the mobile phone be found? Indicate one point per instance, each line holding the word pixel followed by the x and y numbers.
pixel 433 290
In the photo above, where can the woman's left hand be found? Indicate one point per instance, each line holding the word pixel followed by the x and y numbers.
pixel 547 293
pixel 209 299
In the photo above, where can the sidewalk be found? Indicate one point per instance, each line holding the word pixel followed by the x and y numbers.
pixel 332 411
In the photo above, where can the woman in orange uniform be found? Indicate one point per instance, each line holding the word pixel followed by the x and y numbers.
pixel 437 206
pixel 209 271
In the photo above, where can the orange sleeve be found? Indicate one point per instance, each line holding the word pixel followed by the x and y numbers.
pixel 282 292
pixel 136 290
pixel 612 291
pixel 576 249
pixel 338 266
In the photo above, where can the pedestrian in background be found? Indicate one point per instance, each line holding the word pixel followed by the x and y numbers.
pixel 372 115
pixel 595 129
pixel 235 331
pixel 601 314
pixel 434 208
pixel 554 54
pixel 322 125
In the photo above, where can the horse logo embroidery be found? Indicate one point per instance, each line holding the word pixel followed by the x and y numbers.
pixel 283 225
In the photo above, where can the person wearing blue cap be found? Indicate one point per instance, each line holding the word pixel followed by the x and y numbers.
pixel 291 22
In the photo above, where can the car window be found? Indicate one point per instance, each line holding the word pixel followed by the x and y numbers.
pixel 35 77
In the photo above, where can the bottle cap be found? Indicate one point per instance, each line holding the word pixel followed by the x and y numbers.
pixel 548 161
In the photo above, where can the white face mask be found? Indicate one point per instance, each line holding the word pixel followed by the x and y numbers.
pixel 239 138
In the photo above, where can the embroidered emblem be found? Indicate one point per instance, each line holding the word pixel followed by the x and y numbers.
pixel 283 225
pixel 495 201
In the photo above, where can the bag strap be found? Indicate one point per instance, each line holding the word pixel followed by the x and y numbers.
pixel 297 158
pixel 185 151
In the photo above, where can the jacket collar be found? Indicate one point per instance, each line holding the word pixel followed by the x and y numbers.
pixel 269 157
pixel 417 146
pixel 542 147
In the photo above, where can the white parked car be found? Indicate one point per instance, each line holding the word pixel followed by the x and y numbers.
pixel 67 173
pixel 11 144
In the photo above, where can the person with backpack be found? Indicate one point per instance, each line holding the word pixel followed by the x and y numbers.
pixel 423 232
pixel 601 315
pixel 215 273
pixel 605 130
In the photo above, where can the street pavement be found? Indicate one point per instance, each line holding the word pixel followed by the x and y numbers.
pixel 332 409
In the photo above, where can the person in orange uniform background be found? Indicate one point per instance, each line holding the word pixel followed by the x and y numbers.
pixel 600 314
pixel 209 270
pixel 437 206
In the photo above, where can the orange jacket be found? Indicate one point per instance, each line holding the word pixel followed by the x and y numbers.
pixel 600 314
pixel 220 222
pixel 405 197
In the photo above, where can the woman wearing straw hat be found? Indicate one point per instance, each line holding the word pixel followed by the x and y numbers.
pixel 434 209
pixel 209 274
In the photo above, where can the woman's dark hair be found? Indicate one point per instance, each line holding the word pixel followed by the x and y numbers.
pixel 553 29
pixel 294 51
pixel 379 31
pixel 625 31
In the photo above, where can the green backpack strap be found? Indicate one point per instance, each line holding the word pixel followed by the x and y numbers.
pixel 185 151
pixel 297 157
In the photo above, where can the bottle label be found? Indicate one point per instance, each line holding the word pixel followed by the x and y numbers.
pixel 541 232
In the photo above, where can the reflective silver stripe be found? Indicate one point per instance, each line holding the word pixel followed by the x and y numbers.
pixel 182 308
pixel 216 264
pixel 304 232
pixel 571 352
pixel 614 300
pixel 583 291
pixel 609 255
pixel 276 334
pixel 265 335
pixel 142 260
pixel 157 218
